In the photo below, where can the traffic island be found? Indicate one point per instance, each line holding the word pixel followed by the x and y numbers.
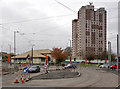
pixel 57 75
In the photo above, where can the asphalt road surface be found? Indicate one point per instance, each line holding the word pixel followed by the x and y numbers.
pixel 90 77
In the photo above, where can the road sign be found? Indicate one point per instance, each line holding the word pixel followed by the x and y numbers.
pixel 45 66
pixel 25 70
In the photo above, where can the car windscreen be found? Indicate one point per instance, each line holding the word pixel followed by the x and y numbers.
pixel 33 67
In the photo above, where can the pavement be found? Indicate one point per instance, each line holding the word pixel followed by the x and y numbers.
pixel 8 78
pixel 114 72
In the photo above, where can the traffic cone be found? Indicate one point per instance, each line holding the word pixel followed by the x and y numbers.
pixel 22 79
pixel 16 81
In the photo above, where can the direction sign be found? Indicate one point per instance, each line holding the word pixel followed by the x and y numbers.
pixel 25 70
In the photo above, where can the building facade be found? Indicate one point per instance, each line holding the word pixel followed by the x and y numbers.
pixel 39 57
pixel 89 32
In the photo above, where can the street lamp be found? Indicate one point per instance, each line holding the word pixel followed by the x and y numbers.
pixel 15 41
pixel 32 54
pixel 117 52
pixel 109 52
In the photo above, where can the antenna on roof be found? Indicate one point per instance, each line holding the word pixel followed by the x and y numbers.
pixel 90 3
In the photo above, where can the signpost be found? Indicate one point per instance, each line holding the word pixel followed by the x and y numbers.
pixel 45 67
pixel 25 71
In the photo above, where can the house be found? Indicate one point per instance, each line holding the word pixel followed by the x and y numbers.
pixel 39 57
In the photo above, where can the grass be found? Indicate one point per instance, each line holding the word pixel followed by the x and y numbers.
pixel 87 65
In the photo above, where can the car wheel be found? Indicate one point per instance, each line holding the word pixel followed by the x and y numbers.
pixel 113 68
pixel 36 71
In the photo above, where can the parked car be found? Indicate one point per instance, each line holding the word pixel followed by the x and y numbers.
pixel 70 66
pixel 113 67
pixel 104 66
pixel 34 68
pixel 63 65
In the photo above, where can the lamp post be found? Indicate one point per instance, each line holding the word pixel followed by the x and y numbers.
pixel 70 53
pixel 117 52
pixel 109 52
pixel 15 44
pixel 32 54
pixel 15 41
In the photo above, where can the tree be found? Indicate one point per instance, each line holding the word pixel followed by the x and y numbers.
pixel 119 59
pixel 90 57
pixel 68 50
pixel 104 55
pixel 113 57
pixel 59 55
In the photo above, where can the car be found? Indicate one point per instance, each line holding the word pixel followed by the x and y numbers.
pixel 70 66
pixel 34 68
pixel 104 66
pixel 63 65
pixel 113 67
pixel 74 66
pixel 82 61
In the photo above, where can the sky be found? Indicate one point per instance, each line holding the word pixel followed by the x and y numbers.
pixel 46 23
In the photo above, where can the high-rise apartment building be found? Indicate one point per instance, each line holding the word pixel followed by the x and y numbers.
pixel 89 32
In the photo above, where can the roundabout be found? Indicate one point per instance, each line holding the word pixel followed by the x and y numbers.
pixel 58 74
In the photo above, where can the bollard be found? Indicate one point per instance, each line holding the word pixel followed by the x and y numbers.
pixel 16 81
pixel 22 79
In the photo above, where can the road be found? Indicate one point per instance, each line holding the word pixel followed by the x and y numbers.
pixel 90 77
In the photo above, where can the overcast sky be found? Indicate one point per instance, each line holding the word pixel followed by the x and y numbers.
pixel 46 23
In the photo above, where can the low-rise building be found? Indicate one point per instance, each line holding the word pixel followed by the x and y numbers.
pixel 39 56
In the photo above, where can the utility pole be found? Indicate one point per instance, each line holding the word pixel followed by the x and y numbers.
pixel 117 52
pixel 109 52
